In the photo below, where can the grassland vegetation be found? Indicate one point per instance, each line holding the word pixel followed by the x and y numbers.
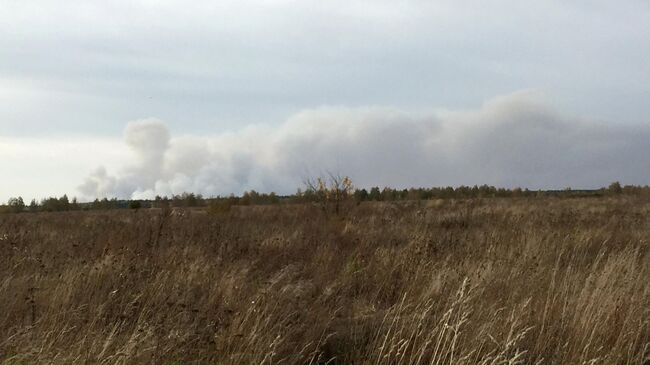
pixel 529 280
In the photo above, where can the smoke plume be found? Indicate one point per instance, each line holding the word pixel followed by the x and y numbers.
pixel 513 140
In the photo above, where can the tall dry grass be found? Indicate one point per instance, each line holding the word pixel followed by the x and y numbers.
pixel 514 281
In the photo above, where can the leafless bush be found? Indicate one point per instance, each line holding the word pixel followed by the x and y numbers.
pixel 333 193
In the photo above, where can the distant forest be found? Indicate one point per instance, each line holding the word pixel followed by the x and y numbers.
pixel 317 192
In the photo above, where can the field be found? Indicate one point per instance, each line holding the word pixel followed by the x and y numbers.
pixel 477 281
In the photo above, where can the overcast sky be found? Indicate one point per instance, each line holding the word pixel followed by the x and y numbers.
pixel 134 98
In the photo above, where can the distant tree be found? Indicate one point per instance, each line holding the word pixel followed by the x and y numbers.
pixel 388 194
pixel 64 203
pixel 361 195
pixel 448 192
pixel 135 204
pixel 273 198
pixel 414 194
pixel 74 205
pixel 247 198
pixel 33 206
pixel 472 191
pixel 105 204
pixel 53 204
pixel 308 196
pixel 375 194
pixel 160 202
pixel 615 188
pixel 187 200
pixel 222 205
pixel 16 205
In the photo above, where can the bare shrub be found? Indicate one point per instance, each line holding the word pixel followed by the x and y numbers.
pixel 333 193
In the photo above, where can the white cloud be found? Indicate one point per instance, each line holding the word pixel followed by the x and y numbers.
pixel 513 140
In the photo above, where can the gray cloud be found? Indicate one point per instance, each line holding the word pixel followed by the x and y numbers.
pixel 216 65
pixel 513 140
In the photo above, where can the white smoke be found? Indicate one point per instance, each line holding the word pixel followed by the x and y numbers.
pixel 513 140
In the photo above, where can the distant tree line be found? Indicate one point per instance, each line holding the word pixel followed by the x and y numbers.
pixel 17 205
pixel 182 200
pixel 63 203
pixel 331 191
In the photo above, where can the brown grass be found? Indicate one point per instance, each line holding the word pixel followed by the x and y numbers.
pixel 514 281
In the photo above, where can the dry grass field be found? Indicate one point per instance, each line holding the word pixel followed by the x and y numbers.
pixel 493 281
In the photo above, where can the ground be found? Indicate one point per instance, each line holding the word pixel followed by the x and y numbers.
pixel 482 281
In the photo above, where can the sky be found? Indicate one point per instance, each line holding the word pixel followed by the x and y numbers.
pixel 139 98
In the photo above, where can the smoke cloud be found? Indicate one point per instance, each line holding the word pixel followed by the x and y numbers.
pixel 513 140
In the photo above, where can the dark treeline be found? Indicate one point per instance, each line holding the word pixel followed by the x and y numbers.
pixel 63 203
pixel 188 200
pixel 486 191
